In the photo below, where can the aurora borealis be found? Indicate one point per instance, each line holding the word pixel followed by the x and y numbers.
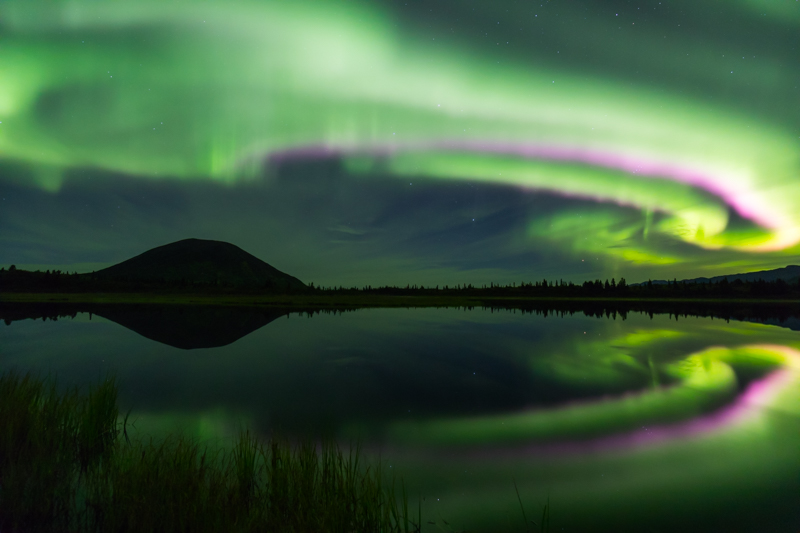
pixel 392 142
pixel 434 142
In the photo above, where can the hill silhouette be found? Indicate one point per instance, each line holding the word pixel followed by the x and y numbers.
pixel 200 262
pixel 789 274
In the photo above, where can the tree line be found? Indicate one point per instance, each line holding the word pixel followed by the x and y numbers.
pixel 592 289
pixel 17 280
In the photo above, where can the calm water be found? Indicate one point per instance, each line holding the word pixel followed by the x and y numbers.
pixel 643 424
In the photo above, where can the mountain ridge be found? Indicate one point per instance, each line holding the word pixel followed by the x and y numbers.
pixel 789 274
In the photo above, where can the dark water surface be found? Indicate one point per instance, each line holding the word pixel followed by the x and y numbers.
pixel 642 424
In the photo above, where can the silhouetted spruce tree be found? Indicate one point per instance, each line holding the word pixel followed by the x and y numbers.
pixel 781 288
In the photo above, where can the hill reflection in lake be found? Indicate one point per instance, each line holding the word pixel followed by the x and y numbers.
pixel 191 327
pixel 181 326
pixel 623 423
pixel 209 326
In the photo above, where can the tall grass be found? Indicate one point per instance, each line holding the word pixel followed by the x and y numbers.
pixel 49 442
pixel 66 464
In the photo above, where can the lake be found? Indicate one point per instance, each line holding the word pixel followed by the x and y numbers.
pixel 635 424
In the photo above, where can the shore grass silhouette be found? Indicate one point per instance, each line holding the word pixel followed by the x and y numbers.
pixel 68 464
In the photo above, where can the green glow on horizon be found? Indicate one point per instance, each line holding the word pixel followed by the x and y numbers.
pixel 607 233
pixel 185 91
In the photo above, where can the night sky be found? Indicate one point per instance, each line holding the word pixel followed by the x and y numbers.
pixel 405 142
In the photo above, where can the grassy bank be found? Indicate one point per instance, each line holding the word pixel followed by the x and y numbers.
pixel 67 464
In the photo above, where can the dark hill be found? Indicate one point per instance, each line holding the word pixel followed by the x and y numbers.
pixel 789 274
pixel 200 262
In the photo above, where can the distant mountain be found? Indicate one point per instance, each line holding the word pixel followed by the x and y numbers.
pixel 203 262
pixel 789 274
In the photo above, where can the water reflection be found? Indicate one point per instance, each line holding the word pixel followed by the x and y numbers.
pixel 646 422
pixel 707 381
pixel 181 326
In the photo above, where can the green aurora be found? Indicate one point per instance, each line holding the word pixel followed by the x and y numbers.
pixel 668 144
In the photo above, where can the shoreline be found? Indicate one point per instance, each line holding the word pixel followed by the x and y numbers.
pixel 303 301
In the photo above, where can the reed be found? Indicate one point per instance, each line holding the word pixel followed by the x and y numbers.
pixel 67 464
